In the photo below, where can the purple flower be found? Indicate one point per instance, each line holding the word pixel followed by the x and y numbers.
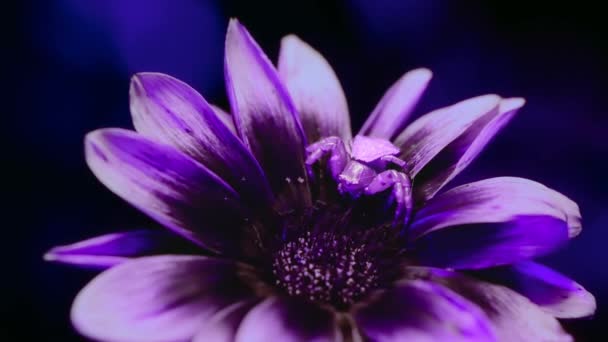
pixel 295 231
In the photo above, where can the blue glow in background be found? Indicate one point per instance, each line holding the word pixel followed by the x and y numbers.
pixel 73 60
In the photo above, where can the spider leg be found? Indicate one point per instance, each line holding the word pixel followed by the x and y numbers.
pixel 401 192
pixel 394 160
pixel 338 159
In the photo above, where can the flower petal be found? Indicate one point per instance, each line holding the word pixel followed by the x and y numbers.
pixel 170 111
pixel 498 199
pixel 112 249
pixel 391 114
pixel 458 154
pixel 157 299
pixel 315 90
pixel 168 186
pixel 482 245
pixel 225 117
pixel 222 326
pixel 555 293
pixel 492 222
pixel 287 319
pixel 514 318
pixel 265 117
pixel 416 310
pixel 426 137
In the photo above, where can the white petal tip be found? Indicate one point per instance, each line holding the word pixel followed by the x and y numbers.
pixel 91 139
pixel 147 75
pixel 50 255
pixel 234 25
pixel 291 38
pixel 422 74
pixel 297 56
pixel 97 138
pixel 512 103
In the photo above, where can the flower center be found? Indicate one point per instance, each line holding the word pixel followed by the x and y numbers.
pixel 329 267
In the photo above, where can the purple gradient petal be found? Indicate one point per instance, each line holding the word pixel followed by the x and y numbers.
pixel 287 320
pixel 426 137
pixel 416 310
pixel 108 250
pixel 391 114
pixel 168 186
pixel 157 299
pixel 266 118
pixel 222 326
pixel 555 293
pixel 170 111
pixel 514 317
pixel 495 200
pixel 456 156
pixel 315 90
pixel 482 245
pixel 225 117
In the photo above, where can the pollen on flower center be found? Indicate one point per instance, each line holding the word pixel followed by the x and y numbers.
pixel 327 267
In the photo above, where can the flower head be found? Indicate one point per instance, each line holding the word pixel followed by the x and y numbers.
pixel 282 226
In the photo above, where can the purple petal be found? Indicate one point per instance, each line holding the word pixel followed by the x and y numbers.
pixel 169 186
pixel 458 154
pixel 108 250
pixel 225 117
pixel 482 245
pixel 495 200
pixel 492 222
pixel 287 320
pixel 555 293
pixel 169 111
pixel 391 114
pixel 514 318
pixel 315 90
pixel 157 299
pixel 416 310
pixel 265 117
pixel 426 137
pixel 222 326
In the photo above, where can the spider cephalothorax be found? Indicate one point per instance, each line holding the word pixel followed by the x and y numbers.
pixel 365 170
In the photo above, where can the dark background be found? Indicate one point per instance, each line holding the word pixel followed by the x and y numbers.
pixel 68 69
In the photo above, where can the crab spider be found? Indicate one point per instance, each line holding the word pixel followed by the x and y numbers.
pixel 365 170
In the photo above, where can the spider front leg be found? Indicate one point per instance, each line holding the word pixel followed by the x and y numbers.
pixel 337 161
pixel 402 192
pixel 394 160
